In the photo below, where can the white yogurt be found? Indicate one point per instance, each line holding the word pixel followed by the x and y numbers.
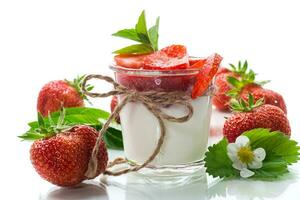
pixel 184 142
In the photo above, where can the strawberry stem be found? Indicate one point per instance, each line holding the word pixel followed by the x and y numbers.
pixel 246 77
pixel 77 84
pixel 240 105
pixel 46 130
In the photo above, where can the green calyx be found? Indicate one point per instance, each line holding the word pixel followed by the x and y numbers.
pixel 64 119
pixel 77 84
pixel 240 105
pixel 246 77
pixel 44 130
pixel 147 38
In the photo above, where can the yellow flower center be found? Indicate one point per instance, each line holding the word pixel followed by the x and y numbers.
pixel 245 154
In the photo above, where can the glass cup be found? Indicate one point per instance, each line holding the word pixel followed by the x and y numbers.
pixel 185 143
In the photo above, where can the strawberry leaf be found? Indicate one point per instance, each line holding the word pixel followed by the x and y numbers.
pixel 276 144
pixel 217 162
pixel 280 150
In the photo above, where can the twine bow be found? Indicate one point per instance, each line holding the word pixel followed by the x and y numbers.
pixel 153 100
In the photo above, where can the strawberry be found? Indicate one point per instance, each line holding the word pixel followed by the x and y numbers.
pixel 113 104
pixel 130 61
pixel 220 99
pixel 168 58
pixel 196 63
pixel 61 154
pixel 222 70
pixel 61 93
pixel 194 60
pixel 254 115
pixel 271 97
pixel 206 75
pixel 231 83
pixel 250 88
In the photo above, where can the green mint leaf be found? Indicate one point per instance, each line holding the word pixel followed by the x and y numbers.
pixel 153 34
pixel 141 29
pixel 147 39
pixel 217 162
pixel 135 49
pixel 128 34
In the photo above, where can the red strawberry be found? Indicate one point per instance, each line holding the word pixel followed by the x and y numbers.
pixel 250 88
pixel 220 99
pixel 231 83
pixel 168 58
pixel 63 159
pixel 206 75
pixel 57 94
pixel 271 97
pixel 222 70
pixel 130 61
pixel 194 60
pixel 197 63
pixel 113 104
pixel 171 57
pixel 255 116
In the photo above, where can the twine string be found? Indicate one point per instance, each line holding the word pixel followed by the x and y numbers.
pixel 153 101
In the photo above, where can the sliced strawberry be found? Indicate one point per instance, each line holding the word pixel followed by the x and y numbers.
pixel 175 51
pixel 222 70
pixel 168 58
pixel 206 75
pixel 130 61
pixel 194 60
pixel 197 63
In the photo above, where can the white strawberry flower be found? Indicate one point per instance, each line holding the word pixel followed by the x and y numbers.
pixel 243 158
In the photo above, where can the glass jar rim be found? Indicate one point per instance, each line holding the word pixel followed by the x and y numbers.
pixel 148 72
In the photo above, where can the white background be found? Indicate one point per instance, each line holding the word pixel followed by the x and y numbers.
pixel 46 40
